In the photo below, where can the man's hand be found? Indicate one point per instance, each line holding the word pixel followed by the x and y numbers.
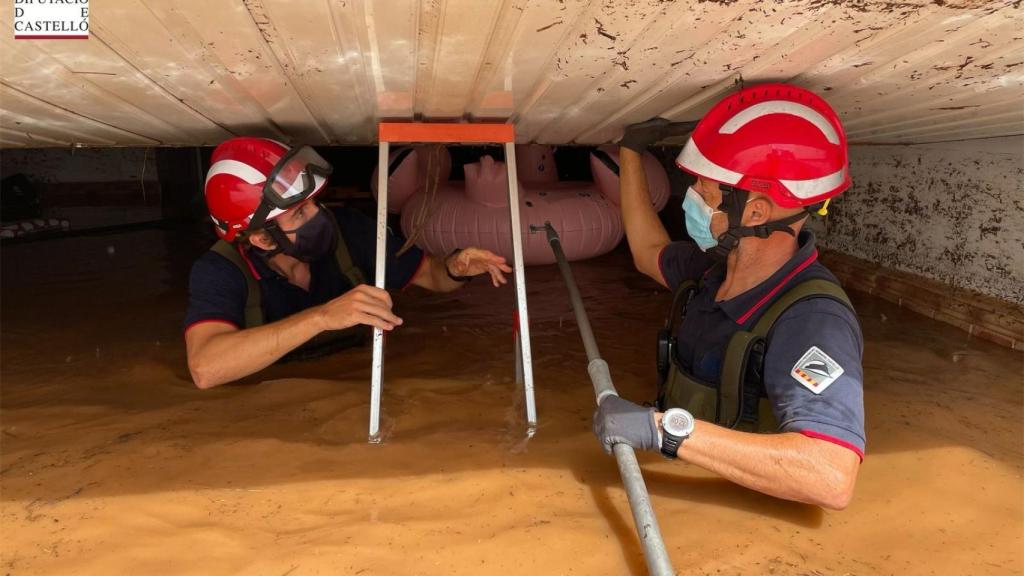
pixel 361 305
pixel 619 421
pixel 474 261
pixel 642 134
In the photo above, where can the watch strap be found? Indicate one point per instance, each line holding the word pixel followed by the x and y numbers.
pixel 670 444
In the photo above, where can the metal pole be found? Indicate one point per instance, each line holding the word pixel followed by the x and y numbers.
pixel 639 502
pixel 525 354
pixel 376 382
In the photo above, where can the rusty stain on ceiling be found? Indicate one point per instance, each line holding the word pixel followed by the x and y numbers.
pixel 194 72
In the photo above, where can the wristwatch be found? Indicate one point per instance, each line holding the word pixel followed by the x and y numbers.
pixel 677 425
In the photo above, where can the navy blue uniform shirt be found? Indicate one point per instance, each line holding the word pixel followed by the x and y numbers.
pixel 813 373
pixel 217 289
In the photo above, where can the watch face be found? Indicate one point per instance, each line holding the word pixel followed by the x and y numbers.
pixel 677 422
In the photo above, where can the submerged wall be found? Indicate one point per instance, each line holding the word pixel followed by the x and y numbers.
pixel 79 165
pixel 952 212
pixel 88 187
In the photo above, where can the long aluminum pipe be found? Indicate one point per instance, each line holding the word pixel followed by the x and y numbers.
pixel 639 502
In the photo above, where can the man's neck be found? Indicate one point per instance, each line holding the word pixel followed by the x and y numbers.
pixel 754 261
pixel 295 270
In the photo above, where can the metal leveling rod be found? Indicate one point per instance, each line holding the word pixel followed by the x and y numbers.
pixel 639 502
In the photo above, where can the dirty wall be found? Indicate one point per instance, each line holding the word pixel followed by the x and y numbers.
pixel 952 212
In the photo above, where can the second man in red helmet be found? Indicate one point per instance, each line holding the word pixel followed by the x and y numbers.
pixel 760 358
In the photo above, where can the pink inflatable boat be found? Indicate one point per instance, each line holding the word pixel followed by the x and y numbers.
pixel 442 215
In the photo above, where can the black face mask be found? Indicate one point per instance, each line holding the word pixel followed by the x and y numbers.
pixel 313 240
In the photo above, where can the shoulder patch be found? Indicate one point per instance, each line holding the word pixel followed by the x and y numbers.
pixel 816 370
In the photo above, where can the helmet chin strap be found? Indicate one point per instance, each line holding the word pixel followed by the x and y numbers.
pixel 280 239
pixel 734 200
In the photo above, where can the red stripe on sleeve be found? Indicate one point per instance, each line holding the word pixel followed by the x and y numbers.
pixel 834 440
pixel 660 270
pixel 207 321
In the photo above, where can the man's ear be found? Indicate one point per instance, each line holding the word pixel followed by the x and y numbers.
pixel 262 240
pixel 758 211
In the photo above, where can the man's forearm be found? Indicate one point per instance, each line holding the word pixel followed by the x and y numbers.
pixel 787 465
pixel 644 231
pixel 228 356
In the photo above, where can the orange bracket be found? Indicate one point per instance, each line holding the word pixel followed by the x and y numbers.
pixel 451 133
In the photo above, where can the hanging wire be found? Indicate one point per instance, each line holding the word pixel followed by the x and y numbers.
pixel 426 209
pixel 142 176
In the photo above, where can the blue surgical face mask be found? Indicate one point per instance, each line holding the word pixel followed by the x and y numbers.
pixel 698 220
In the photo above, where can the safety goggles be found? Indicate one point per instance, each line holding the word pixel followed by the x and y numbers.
pixel 292 180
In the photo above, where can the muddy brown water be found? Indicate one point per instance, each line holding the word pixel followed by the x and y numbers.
pixel 111 462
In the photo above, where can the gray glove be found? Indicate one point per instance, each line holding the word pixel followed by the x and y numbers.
pixel 619 421
pixel 641 135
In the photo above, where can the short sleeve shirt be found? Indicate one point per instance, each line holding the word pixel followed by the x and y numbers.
pixel 813 373
pixel 218 291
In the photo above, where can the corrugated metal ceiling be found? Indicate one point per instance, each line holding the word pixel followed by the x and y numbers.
pixel 193 72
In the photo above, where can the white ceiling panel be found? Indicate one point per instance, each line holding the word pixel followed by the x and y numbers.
pixel 193 72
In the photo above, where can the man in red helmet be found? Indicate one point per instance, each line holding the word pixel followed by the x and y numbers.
pixel 288 276
pixel 762 381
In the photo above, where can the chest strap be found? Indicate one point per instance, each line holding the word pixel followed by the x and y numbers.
pixel 353 273
pixel 253 297
pixel 741 386
pixel 816 288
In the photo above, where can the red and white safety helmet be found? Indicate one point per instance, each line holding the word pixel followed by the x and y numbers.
pixel 251 181
pixel 777 139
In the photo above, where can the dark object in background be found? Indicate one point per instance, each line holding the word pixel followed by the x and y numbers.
pixel 19 200
pixel 21 210
pixel 181 173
